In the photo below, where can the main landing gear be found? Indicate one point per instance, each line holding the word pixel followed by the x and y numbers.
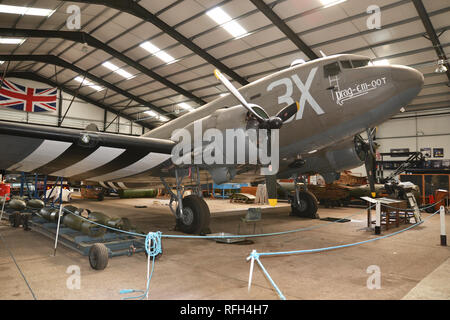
pixel 192 214
pixel 303 203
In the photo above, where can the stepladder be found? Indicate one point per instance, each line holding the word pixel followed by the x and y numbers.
pixel 413 204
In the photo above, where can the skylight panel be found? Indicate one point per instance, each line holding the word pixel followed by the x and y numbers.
pixel 152 113
pixel 117 70
pixel 185 106
pixel 26 10
pixel 222 18
pixel 11 40
pixel 330 3
pixel 164 56
pixel 88 83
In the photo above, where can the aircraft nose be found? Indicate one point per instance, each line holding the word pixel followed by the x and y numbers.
pixel 407 78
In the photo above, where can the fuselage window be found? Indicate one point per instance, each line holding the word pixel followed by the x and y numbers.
pixel 346 64
pixel 360 63
pixel 331 69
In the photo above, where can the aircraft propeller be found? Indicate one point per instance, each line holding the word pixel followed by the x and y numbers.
pixel 265 122
pixel 369 150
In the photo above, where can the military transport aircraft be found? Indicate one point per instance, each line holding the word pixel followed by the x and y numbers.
pixel 320 108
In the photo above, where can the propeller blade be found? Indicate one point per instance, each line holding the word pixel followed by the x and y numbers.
pixel 237 94
pixel 370 170
pixel 271 186
pixel 286 113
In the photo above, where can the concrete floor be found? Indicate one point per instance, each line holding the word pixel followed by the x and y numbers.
pixel 204 269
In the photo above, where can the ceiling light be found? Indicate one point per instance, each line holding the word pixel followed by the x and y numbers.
pixel 330 3
pixel 441 67
pixel 11 40
pixel 26 10
pixel 117 70
pixel 222 18
pixel 185 106
pixel 157 52
pixel 383 62
pixel 88 83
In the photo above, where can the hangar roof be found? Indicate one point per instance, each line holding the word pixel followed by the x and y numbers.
pixel 159 55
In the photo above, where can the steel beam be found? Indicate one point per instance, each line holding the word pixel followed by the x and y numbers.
pixel 51 59
pixel 82 37
pixel 433 37
pixel 140 12
pixel 283 27
pixel 35 77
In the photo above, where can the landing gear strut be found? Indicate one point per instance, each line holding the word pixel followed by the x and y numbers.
pixel 192 213
pixel 303 203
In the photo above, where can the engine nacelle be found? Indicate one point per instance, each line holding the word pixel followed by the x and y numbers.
pixel 330 163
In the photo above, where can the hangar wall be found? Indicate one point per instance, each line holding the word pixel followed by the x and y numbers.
pixel 426 129
pixel 79 115
pixel 415 131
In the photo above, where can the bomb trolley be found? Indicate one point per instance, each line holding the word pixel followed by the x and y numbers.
pixel 98 249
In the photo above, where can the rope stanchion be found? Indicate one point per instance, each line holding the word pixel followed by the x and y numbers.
pixel 3 205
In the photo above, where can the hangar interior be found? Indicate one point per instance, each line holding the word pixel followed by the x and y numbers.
pixel 136 67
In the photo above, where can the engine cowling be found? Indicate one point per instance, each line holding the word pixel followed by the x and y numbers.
pixel 330 162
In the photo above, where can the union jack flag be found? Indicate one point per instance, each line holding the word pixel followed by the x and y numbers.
pixel 13 95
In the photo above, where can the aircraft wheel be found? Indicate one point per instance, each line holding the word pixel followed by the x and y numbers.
pixel 196 216
pixel 306 205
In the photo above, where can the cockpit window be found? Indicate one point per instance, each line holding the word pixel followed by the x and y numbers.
pixel 346 64
pixel 331 69
pixel 360 63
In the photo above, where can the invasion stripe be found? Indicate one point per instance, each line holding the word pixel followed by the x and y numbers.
pixel 112 185
pixel 103 184
pixel 146 163
pixel 122 185
pixel 125 159
pixel 69 157
pixel 48 151
pixel 97 159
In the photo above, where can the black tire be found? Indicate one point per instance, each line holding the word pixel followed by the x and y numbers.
pixel 100 197
pixel 98 256
pixel 307 206
pixel 197 216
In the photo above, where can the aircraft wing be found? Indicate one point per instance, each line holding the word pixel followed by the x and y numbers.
pixel 78 154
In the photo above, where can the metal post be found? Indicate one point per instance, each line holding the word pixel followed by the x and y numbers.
pixel 35 185
pixel 22 182
pixel 443 233
pixel 3 205
pixel 57 229
pixel 378 218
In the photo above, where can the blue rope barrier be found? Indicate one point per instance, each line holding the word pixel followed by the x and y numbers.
pixel 153 248
pixel 254 255
pixel 175 236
